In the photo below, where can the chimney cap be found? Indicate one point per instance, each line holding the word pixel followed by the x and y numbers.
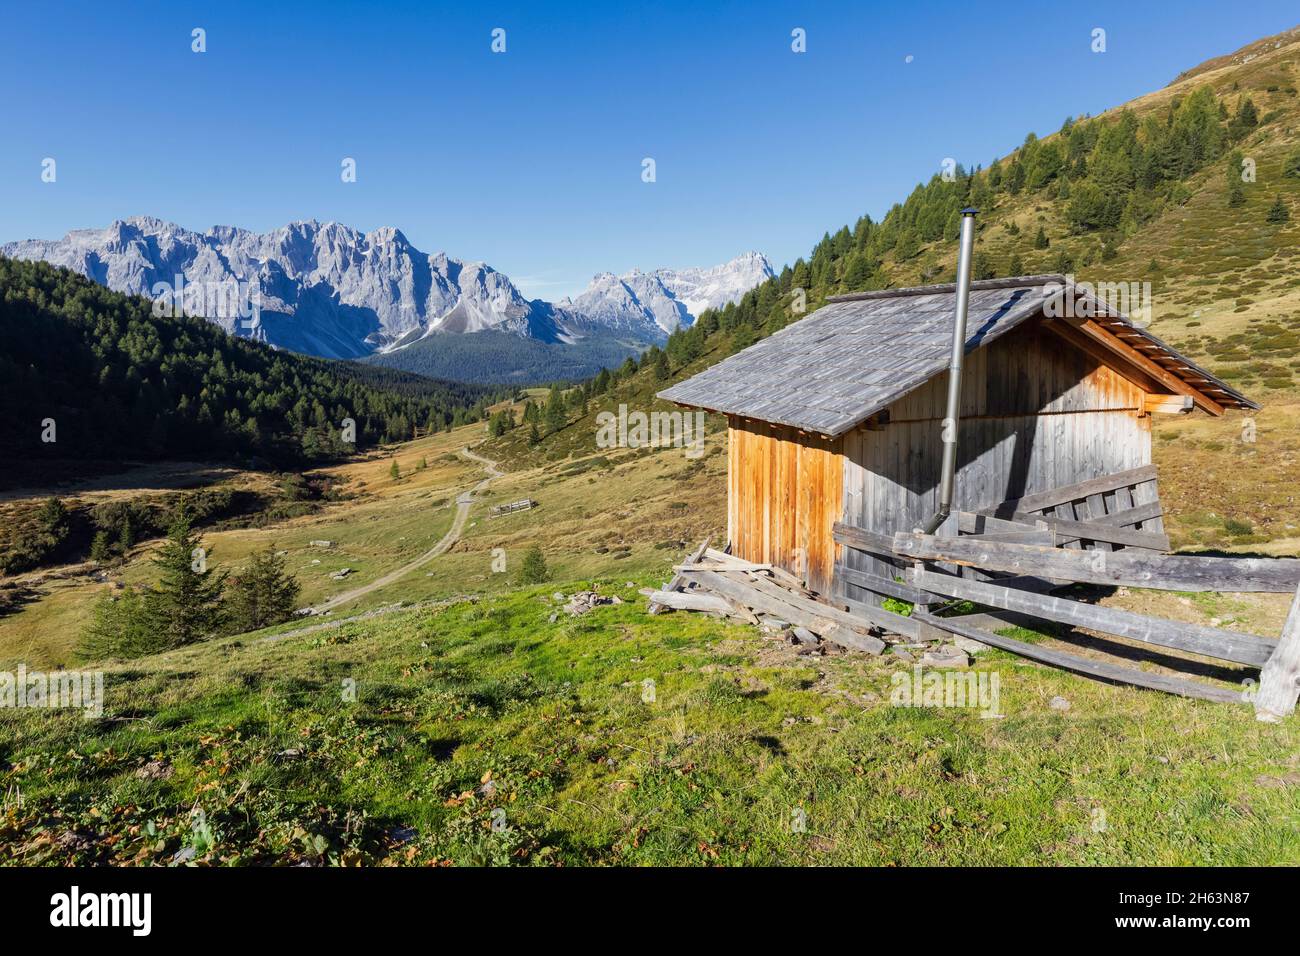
pixel 970 211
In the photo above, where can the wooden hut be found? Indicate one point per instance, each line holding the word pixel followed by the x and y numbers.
pixel 837 419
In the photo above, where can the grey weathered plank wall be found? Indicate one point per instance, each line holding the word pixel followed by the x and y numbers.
pixel 1037 414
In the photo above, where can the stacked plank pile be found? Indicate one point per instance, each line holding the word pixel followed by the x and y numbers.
pixel 713 582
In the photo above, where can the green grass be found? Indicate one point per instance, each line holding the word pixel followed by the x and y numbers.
pixel 743 736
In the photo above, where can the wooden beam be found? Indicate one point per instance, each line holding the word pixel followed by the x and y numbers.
pixel 1279 681
pixel 875 543
pixel 1131 568
pixel 884 586
pixel 1073 492
pixel 690 601
pixel 1135 374
pixel 1107 340
pixel 719 566
pixel 1069 530
pixel 1083 665
pixel 1224 645
pixel 1046 537
pixel 677 580
pixel 971 522
pixel 880 618
pixel 1167 404
pixel 860 539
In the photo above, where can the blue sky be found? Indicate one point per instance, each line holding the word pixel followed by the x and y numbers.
pixel 531 159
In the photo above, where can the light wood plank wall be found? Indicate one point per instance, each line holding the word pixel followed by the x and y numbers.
pixel 783 496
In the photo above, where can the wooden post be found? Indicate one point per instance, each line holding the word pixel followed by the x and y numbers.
pixel 1279 681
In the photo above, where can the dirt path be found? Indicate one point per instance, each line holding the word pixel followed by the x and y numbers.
pixel 463 502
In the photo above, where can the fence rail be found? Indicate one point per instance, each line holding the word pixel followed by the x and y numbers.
pixel 1008 556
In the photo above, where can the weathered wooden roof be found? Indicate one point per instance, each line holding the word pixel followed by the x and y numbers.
pixel 860 353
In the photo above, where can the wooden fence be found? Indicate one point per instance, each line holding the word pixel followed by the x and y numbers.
pixel 524 504
pixel 1104 532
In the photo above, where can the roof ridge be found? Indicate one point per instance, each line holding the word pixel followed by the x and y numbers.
pixel 1012 282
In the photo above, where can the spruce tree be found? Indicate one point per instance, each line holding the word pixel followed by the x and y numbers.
pixel 185 606
pixel 99 547
pixel 120 626
pixel 1291 168
pixel 126 539
pixel 1041 240
pixel 1278 213
pixel 262 594
pixel 556 418
pixel 662 368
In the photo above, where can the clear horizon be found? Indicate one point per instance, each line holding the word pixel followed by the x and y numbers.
pixel 531 160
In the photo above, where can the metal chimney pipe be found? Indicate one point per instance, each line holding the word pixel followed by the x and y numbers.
pixel 948 472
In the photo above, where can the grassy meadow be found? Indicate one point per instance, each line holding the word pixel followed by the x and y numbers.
pixel 483 732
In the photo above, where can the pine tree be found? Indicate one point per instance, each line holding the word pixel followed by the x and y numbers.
pixel 126 538
pixel 1015 178
pixel 1041 241
pixel 534 435
pixel 53 516
pixel 1278 213
pixel 185 605
pixel 120 626
pixel 662 369
pixel 1236 195
pixel 858 273
pixel 1016 267
pixel 262 594
pixel 99 547
pixel 393 471
pixel 1291 168
pixel 1247 119
pixel 555 414
pixel 908 245
pixel 534 569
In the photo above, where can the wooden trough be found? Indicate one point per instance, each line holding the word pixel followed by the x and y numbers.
pixel 524 504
